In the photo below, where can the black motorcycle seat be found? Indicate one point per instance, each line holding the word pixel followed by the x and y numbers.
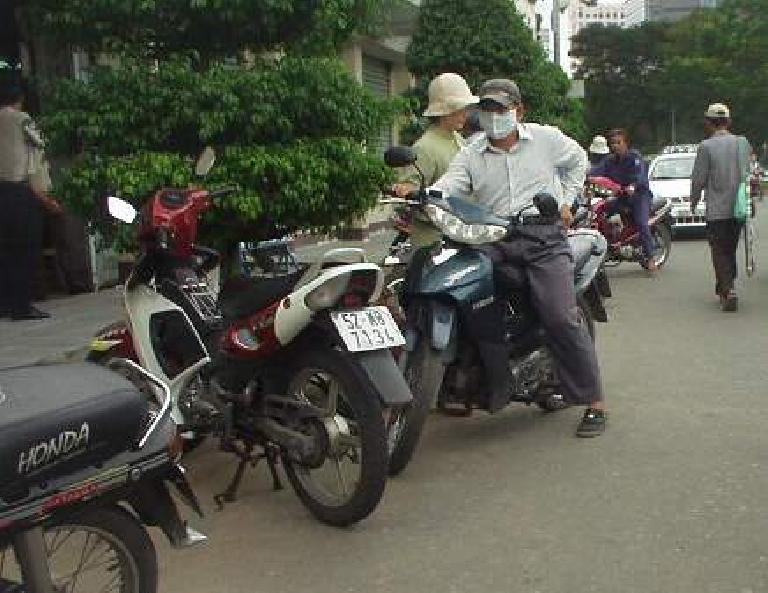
pixel 57 419
pixel 510 278
pixel 242 296
pixel 657 204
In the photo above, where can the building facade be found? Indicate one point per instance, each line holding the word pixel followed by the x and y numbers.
pixel 639 11
pixel 580 15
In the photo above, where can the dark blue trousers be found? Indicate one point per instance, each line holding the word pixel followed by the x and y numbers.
pixel 640 208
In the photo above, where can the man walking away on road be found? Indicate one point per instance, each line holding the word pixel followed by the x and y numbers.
pixel 504 170
pixel 24 184
pixel 720 167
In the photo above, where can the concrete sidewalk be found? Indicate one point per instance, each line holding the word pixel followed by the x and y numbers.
pixel 75 319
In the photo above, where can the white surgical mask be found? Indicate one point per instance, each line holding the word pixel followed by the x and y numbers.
pixel 498 125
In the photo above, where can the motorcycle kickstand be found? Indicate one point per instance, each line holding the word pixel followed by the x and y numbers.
pixel 271 455
pixel 246 456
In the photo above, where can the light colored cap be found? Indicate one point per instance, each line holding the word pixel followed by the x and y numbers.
pixel 599 145
pixel 448 93
pixel 717 111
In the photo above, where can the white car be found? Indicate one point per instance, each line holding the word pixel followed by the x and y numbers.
pixel 669 176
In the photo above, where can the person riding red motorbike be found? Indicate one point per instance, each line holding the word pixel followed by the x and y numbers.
pixel 625 166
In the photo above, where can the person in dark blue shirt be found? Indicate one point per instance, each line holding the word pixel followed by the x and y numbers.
pixel 626 167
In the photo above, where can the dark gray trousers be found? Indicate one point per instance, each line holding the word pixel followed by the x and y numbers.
pixel 542 251
pixel 723 237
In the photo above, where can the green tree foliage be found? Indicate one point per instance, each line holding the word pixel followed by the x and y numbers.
pixel 291 134
pixel 622 84
pixel 210 27
pixel 641 78
pixel 722 55
pixel 290 126
pixel 482 39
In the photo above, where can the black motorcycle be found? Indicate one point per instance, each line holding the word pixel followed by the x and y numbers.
pixel 85 457
pixel 470 327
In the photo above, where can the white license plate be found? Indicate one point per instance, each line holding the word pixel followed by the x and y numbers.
pixel 372 328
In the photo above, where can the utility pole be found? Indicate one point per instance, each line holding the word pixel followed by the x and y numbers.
pixel 674 128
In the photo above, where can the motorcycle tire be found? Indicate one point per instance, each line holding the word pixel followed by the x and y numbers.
pixel 603 283
pixel 662 235
pixel 362 400
pixel 424 372
pixel 135 554
pixel 585 315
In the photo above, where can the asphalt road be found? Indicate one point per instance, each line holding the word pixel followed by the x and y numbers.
pixel 672 499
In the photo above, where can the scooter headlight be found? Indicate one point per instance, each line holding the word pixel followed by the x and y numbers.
pixel 462 232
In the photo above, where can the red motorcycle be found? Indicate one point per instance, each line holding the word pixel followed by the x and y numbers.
pixel 620 230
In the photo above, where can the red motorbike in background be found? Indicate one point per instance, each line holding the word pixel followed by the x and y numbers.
pixel 620 230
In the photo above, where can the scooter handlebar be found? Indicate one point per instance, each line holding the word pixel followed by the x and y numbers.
pixel 224 191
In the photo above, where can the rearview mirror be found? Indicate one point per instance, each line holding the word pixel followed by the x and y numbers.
pixel 121 210
pixel 205 162
pixel 400 156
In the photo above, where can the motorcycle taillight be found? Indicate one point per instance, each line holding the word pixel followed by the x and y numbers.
pixel 360 289
pixel 255 334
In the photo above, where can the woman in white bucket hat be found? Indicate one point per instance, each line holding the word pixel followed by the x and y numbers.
pixel 449 98
pixel 597 150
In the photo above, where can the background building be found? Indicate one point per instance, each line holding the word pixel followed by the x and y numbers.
pixel 581 15
pixel 639 11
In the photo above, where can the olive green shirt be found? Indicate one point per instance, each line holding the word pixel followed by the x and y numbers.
pixel 434 152
pixel 22 159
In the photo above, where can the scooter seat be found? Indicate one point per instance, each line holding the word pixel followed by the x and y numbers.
pixel 510 279
pixel 582 245
pixel 58 419
pixel 242 296
pixel 657 204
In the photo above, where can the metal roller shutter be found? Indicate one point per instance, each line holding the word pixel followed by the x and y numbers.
pixel 377 78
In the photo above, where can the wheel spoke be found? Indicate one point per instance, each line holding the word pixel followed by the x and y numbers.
pixel 340 475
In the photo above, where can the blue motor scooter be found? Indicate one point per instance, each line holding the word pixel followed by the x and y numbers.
pixel 473 338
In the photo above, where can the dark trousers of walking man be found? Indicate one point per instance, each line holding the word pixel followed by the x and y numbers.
pixel 723 237
pixel 21 230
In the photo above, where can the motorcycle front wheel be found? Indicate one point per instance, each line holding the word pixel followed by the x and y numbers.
pixel 424 372
pixel 662 244
pixel 102 549
pixel 346 485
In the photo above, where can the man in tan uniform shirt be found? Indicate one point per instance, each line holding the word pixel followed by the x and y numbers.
pixel 24 186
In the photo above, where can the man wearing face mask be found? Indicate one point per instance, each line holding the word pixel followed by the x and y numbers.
pixel 504 171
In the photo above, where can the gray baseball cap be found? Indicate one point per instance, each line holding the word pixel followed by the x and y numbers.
pixel 500 90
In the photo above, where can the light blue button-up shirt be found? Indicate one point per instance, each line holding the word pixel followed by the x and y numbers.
pixel 543 160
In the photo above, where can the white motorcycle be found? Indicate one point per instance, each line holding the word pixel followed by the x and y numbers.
pixel 294 368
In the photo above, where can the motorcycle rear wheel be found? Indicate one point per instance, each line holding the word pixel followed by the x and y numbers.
pixel 90 551
pixel 331 380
